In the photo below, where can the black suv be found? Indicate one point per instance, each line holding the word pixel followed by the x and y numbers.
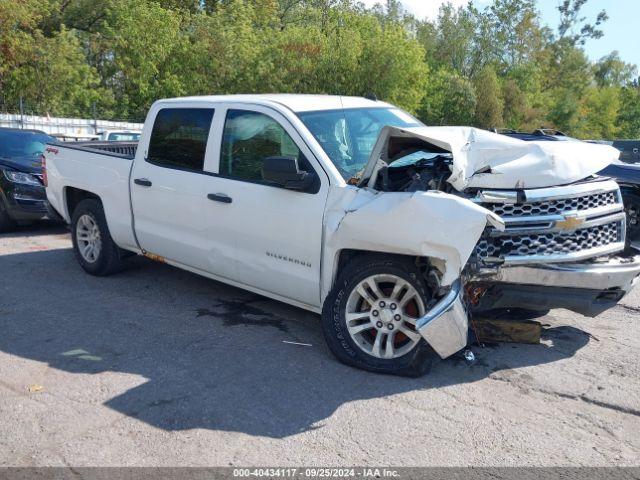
pixel 22 194
pixel 629 150
pixel 624 171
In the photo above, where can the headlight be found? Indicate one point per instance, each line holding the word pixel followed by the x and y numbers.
pixel 20 177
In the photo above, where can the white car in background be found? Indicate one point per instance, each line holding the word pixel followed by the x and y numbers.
pixel 120 135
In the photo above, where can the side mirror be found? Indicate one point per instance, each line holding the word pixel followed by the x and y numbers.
pixel 284 171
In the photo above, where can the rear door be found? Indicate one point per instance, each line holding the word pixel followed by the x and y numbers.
pixel 168 186
pixel 274 234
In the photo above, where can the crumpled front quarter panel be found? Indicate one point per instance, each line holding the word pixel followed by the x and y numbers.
pixel 425 224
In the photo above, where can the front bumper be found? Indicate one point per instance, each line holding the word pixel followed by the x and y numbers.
pixel 25 202
pixel 445 327
pixel 586 288
pixel 618 272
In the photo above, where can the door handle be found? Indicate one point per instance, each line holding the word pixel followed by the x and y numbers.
pixel 219 197
pixel 143 182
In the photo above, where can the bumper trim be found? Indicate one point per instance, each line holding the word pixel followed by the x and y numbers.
pixel 621 273
pixel 445 327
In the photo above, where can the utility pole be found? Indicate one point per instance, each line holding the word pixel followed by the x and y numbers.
pixel 95 119
pixel 21 114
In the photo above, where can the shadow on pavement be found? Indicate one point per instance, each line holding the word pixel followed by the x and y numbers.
pixel 45 227
pixel 213 355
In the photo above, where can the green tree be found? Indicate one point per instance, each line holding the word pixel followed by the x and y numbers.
pixel 573 26
pixel 628 121
pixel 598 114
pixel 449 100
pixel 612 71
pixel 490 103
pixel 515 33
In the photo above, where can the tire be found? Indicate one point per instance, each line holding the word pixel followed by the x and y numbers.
pixel 88 221
pixel 353 349
pixel 7 224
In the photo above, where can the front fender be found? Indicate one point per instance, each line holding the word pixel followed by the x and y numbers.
pixel 422 224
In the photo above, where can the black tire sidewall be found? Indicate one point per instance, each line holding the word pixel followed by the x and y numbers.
pixel 415 363
pixel 105 262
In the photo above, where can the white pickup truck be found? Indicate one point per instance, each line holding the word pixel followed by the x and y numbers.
pixel 394 231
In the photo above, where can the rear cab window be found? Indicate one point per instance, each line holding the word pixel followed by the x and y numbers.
pixel 179 138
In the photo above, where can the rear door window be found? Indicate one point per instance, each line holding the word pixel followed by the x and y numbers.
pixel 179 138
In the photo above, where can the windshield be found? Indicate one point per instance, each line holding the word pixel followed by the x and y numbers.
pixel 16 144
pixel 123 137
pixel 348 136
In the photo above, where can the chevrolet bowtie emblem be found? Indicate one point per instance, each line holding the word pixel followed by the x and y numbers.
pixel 570 222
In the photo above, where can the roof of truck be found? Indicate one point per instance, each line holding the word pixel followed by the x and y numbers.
pixel 295 102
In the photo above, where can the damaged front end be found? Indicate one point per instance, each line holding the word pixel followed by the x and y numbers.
pixel 506 223
pixel 446 236
pixel 563 247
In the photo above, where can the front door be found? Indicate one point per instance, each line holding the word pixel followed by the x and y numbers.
pixel 276 233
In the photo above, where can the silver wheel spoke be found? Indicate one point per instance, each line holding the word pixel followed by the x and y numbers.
pixel 409 320
pixel 415 336
pixel 411 293
pixel 360 328
pixel 376 350
pixel 374 288
pixel 399 286
pixel 365 295
pixel 389 349
pixel 356 316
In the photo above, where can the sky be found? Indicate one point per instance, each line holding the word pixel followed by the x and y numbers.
pixel 621 30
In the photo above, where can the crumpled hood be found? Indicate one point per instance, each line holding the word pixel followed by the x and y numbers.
pixel 483 159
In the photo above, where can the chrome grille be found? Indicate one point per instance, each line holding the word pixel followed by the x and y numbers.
pixel 551 243
pixel 554 207
pixel 557 224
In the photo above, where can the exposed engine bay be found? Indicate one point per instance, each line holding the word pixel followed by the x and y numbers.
pixel 417 170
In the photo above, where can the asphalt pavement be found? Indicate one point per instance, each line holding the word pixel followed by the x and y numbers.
pixel 155 366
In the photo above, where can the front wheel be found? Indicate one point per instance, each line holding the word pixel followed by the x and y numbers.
pixel 369 318
pixel 93 246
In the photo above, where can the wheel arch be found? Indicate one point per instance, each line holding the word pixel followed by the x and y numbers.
pixel 73 196
pixel 629 189
pixel 346 255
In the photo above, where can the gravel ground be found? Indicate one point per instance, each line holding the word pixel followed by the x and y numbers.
pixel 159 367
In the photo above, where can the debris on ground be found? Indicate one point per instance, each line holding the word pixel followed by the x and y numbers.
pixel 507 331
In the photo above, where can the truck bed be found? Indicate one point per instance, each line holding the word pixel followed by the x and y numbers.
pixel 126 150
pixel 99 168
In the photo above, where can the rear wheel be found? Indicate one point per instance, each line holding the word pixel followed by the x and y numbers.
pixel 92 243
pixel 369 318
